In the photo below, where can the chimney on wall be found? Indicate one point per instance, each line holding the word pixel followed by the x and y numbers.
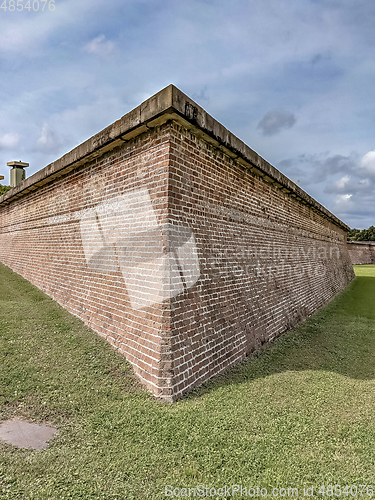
pixel 17 174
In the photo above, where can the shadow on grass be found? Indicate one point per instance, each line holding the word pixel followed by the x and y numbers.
pixel 339 338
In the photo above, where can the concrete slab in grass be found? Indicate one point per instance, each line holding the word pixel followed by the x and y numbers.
pixel 26 434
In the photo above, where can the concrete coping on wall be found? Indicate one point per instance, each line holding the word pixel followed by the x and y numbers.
pixel 168 104
pixel 361 243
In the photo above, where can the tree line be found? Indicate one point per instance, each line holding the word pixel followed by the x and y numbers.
pixel 364 235
pixel 4 189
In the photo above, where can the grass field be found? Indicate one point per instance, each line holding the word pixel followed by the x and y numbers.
pixel 299 414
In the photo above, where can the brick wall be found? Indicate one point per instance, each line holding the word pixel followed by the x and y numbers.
pixel 266 260
pixel 361 252
pixel 42 240
pixel 183 255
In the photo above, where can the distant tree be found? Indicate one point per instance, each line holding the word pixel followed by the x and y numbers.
pixel 4 189
pixel 364 235
pixel 352 234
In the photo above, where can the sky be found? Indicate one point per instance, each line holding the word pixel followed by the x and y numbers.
pixel 293 79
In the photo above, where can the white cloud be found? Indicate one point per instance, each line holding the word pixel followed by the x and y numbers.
pixel 12 39
pixel 343 182
pixel 343 203
pixel 26 34
pixel 48 141
pixel 100 46
pixel 368 162
pixel 9 140
pixel 345 197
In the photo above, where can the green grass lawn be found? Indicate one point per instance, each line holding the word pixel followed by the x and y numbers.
pixel 300 413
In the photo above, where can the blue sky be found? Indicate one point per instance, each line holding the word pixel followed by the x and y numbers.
pixel 294 79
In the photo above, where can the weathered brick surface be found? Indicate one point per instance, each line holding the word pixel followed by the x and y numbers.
pixel 181 256
pixel 266 261
pixel 41 240
pixel 361 252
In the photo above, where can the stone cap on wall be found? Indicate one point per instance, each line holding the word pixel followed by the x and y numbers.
pixel 361 242
pixel 168 104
